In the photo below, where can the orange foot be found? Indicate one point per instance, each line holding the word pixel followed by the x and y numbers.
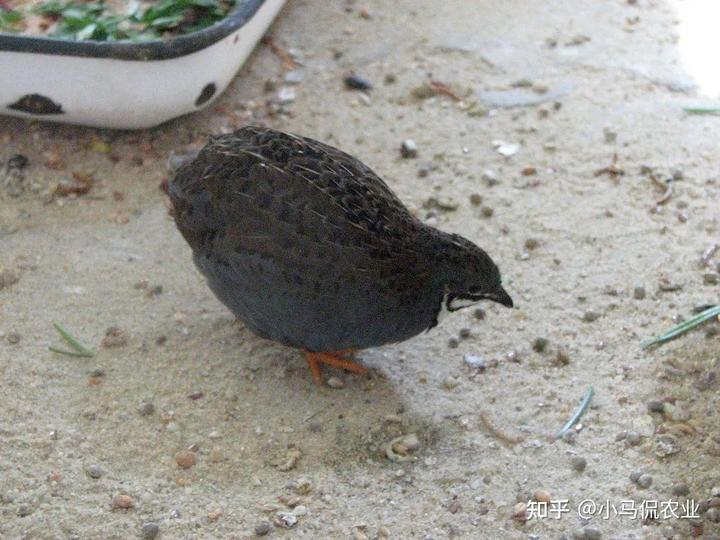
pixel 335 359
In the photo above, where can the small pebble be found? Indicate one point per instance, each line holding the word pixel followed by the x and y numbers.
pixel 633 438
pixel 587 533
pixel 590 316
pixel 453 343
pixel 531 243
pixel 285 520
pixel 656 406
pixel 405 445
pixel 639 292
pixel 490 177
pixel 185 459
pixel 476 199
pixel 155 290
pixel 95 471
pixel 197 394
pixel 464 333
pixel 710 278
pixel 114 337
pixel 286 94
pixel 666 445
pixel 291 459
pixel 262 529
pixel 294 76
pixel 408 149
pixel 146 408
pixel 680 490
pixel 540 344
pixel 356 82
pixel 578 463
pixel 542 496
pixel 520 512
pixel 676 413
pixel 713 515
pixel 450 382
pixel 486 211
pixel 479 314
pixel 150 530
pixel 635 476
pixel 123 502
pixel 562 358
pixel 475 362
pixel 336 382
pixel 13 338
pixel 645 481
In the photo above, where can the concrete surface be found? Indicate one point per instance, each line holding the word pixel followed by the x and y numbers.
pixel 598 79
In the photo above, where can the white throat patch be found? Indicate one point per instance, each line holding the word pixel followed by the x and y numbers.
pixel 448 305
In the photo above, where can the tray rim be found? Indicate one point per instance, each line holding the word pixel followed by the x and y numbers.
pixel 159 49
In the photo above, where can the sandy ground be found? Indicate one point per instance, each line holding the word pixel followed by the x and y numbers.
pixel 601 78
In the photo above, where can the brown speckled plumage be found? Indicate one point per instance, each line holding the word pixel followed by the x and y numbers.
pixel 308 246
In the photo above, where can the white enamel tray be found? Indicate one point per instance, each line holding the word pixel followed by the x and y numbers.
pixel 128 85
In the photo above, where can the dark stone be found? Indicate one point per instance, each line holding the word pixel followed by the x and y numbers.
pixel 355 82
pixel 208 91
pixel 36 104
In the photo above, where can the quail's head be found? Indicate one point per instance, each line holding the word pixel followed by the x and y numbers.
pixel 469 275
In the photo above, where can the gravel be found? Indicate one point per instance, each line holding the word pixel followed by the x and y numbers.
pixel 146 408
pixel 409 149
pixel 578 463
pixel 356 82
pixel 123 502
pixel 633 438
pixel 645 481
pixel 149 530
pixel 639 292
pixel 540 344
pixel 655 406
pixel 490 177
pixel 185 459
pixel 475 362
pixel 587 533
pixel 95 471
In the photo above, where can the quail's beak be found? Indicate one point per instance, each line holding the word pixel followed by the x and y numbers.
pixel 500 296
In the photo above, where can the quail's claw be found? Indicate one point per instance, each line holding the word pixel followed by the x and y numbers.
pixel 314 359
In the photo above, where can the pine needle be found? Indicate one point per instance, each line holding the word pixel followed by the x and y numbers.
pixel 684 326
pixel 584 404
pixel 702 110
pixel 79 348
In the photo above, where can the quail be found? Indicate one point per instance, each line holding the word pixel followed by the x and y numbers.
pixel 309 247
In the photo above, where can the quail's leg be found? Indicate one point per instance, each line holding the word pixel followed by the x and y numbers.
pixel 335 359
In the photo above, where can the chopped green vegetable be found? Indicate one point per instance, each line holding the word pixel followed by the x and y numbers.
pixel 93 21
pixel 9 19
